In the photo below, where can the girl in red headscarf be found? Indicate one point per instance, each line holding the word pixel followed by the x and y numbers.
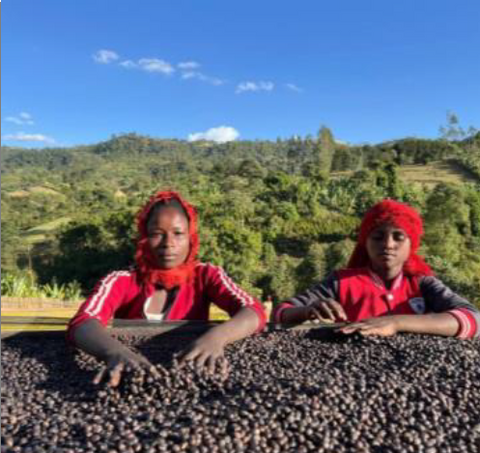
pixel 387 287
pixel 167 283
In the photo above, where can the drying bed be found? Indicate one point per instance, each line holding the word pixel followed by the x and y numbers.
pixel 298 390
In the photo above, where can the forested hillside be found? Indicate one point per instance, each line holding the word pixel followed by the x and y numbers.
pixel 277 215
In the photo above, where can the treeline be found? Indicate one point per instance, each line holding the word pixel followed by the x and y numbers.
pixel 67 181
pixel 293 156
pixel 470 157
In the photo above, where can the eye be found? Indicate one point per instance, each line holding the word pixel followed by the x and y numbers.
pixel 378 236
pixel 399 236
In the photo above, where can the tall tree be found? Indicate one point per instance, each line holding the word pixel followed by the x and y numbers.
pixel 453 131
pixel 326 150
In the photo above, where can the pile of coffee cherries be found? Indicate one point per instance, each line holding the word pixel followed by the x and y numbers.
pixel 286 391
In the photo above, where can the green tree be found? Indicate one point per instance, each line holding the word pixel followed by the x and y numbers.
pixel 326 149
pixel 283 282
pixel 446 222
pixel 313 268
pixel 453 131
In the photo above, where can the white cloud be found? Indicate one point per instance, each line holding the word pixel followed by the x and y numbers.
pixel 23 137
pixel 254 86
pixel 128 64
pixel 221 134
pixel 188 65
pixel 293 87
pixel 105 56
pixel 189 75
pixel 14 120
pixel 188 69
pixel 155 65
pixel 22 119
pixel 202 77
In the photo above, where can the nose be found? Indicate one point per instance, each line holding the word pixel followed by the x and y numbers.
pixel 167 241
pixel 389 241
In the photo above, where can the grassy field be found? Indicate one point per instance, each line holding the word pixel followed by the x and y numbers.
pixel 40 232
pixel 428 175
pixel 45 191
pixel 42 190
pixel 435 172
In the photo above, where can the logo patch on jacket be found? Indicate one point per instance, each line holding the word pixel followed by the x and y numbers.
pixel 417 304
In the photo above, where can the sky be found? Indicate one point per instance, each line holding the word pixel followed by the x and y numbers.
pixel 78 72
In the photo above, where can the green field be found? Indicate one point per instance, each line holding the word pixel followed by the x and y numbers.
pixel 434 173
pixel 428 175
pixel 40 232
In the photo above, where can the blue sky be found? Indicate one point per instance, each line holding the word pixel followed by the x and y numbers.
pixel 78 72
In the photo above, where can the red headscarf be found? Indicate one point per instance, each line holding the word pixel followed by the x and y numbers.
pixel 402 216
pixel 144 257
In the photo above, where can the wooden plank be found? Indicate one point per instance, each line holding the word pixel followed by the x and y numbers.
pixel 141 327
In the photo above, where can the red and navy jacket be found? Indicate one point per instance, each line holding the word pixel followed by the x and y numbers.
pixel 120 295
pixel 363 295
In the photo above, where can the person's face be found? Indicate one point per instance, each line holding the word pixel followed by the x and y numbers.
pixel 168 237
pixel 388 248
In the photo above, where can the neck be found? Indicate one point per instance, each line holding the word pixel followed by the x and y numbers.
pixel 387 274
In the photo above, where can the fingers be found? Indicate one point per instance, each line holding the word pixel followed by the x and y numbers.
pixel 153 371
pixel 205 360
pixel 371 331
pixel 201 359
pixel 116 375
pixel 99 376
pixel 188 356
pixel 117 365
pixel 367 328
pixel 355 327
pixel 327 310
pixel 211 363
pixel 219 364
pixel 313 313
pixel 381 331
pixel 338 310
pixel 224 367
pixel 144 365
pixel 216 365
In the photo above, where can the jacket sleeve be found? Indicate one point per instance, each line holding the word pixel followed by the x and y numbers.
pixel 326 289
pixel 439 298
pixel 223 292
pixel 107 297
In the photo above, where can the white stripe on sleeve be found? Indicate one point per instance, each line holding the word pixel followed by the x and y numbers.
pixel 242 296
pixel 96 303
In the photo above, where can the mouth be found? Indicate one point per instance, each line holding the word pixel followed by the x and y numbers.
pixel 386 256
pixel 167 257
